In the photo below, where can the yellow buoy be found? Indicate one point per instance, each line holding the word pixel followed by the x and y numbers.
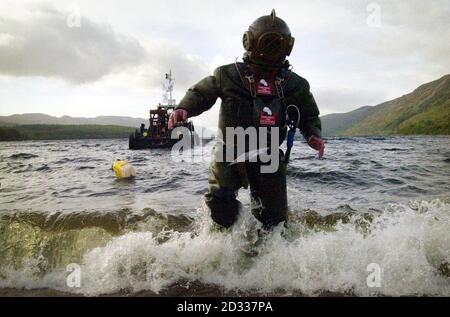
pixel 123 169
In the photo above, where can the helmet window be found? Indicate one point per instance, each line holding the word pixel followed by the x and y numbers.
pixel 271 45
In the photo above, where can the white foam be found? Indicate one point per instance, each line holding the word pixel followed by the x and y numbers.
pixel 409 243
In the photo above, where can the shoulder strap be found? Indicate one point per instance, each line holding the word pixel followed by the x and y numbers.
pixel 247 78
pixel 279 84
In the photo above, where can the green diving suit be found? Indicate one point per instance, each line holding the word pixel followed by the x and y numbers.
pixel 249 100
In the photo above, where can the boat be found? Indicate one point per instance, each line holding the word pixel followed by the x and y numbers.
pixel 157 134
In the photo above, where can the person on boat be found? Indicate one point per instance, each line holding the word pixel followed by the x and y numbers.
pixel 263 84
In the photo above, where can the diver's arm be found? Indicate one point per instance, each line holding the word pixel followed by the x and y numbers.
pixel 310 125
pixel 202 96
pixel 199 98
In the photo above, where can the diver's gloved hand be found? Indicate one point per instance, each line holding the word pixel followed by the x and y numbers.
pixel 178 115
pixel 317 144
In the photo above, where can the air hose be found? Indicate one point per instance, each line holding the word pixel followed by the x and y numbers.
pixel 293 115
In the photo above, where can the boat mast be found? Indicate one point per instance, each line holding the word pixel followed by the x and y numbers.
pixel 169 89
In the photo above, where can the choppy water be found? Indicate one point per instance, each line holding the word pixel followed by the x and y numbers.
pixel 371 200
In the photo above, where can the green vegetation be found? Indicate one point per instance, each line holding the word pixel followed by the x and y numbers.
pixel 424 111
pixel 62 132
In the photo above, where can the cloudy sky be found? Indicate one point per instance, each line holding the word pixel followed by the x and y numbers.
pixel 89 58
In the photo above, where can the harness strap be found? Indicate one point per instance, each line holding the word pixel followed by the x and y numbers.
pixel 280 82
pixel 251 82
pixel 249 78
pixel 279 86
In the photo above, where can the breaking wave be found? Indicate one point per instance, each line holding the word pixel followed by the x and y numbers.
pixel 128 252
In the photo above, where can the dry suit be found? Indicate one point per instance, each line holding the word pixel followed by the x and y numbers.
pixel 250 101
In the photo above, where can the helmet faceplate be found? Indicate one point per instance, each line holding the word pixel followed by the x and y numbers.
pixel 268 40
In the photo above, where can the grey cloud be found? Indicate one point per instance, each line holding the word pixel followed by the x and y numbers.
pixel 44 45
pixel 187 69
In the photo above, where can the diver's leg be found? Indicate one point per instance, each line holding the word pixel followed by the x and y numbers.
pixel 223 185
pixel 269 194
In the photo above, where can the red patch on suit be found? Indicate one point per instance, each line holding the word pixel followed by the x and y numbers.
pixel 267 120
pixel 264 88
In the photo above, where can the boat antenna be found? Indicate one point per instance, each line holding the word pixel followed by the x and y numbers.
pixel 169 87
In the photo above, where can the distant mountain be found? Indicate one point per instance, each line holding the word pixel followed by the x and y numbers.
pixel 426 110
pixel 63 132
pixel 39 118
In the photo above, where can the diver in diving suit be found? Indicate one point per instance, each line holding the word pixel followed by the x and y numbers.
pixel 263 81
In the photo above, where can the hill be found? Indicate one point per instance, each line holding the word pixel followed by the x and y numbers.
pixel 62 132
pixel 426 110
pixel 40 118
